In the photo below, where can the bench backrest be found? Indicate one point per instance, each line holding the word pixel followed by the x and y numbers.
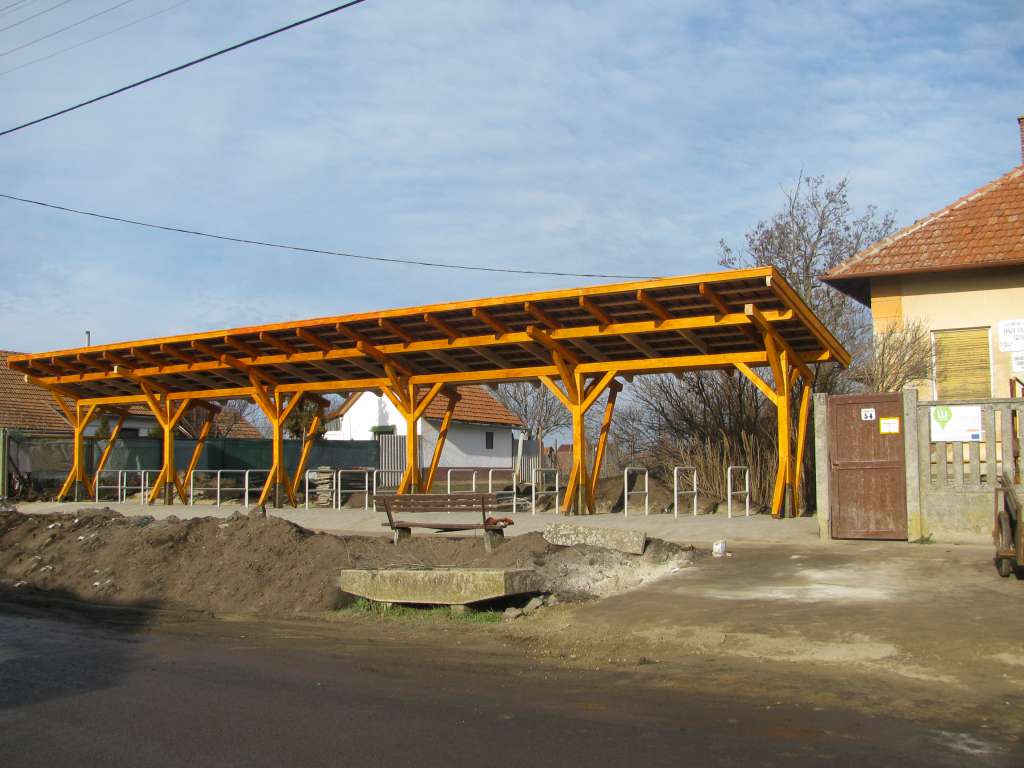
pixel 438 503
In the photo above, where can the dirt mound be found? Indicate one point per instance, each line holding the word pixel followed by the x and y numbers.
pixel 254 564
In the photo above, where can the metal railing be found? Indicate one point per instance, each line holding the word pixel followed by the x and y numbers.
pixel 472 475
pixel 626 493
pixel 218 486
pixel 365 489
pixel 730 493
pixel 542 472
pixel 676 492
pixel 513 479
pixel 123 485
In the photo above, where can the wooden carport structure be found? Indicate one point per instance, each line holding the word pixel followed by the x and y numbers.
pixel 575 342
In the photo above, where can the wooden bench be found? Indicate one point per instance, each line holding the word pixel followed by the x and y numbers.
pixel 400 506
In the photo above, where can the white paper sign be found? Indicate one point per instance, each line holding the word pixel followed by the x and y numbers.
pixel 1018 362
pixel 889 425
pixel 956 423
pixel 1011 335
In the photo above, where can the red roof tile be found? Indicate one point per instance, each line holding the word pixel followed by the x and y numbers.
pixel 476 406
pixel 982 229
pixel 26 406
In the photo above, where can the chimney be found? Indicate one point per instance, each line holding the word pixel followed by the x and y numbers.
pixel 1020 123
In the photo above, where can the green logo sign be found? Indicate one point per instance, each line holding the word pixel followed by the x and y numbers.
pixel 942 414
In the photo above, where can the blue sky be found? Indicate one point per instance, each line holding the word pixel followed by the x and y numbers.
pixel 571 136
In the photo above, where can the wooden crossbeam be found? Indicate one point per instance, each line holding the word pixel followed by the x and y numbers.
pixel 595 311
pixel 490 321
pixel 761 322
pixel 243 346
pixel 311 338
pixel 659 311
pixel 541 316
pixel 439 324
pixel 277 343
pixel 545 340
pixel 395 330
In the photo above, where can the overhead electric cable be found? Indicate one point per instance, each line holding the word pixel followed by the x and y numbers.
pixel 65 29
pixel 14 6
pixel 34 16
pixel 48 56
pixel 186 65
pixel 265 244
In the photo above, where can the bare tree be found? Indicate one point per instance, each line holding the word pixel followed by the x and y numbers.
pixel 816 230
pixel 537 407
pixel 898 357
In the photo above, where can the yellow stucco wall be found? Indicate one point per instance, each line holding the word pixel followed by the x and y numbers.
pixel 966 299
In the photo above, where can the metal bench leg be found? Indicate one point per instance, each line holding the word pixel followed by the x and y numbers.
pixel 493 539
pixel 401 534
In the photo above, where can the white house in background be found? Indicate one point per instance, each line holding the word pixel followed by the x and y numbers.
pixel 482 434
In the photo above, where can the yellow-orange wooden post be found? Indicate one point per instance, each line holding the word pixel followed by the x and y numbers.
pixel 442 435
pixel 602 440
pixel 107 450
pixel 79 419
pixel 801 440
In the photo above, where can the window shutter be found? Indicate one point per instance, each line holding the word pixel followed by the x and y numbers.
pixel 962 369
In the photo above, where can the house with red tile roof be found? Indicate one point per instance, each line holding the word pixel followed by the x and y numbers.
pixel 960 272
pixel 481 436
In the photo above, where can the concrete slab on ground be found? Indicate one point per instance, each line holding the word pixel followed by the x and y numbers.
pixel 438 586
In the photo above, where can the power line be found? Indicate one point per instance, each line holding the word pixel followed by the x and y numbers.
pixel 14 6
pixel 34 16
pixel 186 65
pixel 65 29
pixel 92 39
pixel 265 244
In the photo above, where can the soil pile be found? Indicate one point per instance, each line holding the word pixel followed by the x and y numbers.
pixel 255 564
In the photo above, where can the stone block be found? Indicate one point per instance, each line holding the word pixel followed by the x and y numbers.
pixel 566 535
pixel 438 586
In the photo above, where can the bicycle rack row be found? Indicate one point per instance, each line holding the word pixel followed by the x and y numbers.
pixel 123 483
pixel 218 487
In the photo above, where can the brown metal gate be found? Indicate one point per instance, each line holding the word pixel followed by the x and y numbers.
pixel 866 461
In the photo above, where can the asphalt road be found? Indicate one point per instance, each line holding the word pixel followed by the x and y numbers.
pixel 82 692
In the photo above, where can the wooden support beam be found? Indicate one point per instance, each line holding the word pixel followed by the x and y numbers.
pixel 803 417
pixel 181 354
pixel 311 338
pixel 758 382
pixel 442 434
pixel 395 330
pixel 659 311
pixel 243 346
pixel 765 327
pixel 545 340
pixel 541 316
pixel 439 324
pixel 490 321
pixel 595 311
pixel 602 440
pixel 107 450
pixel 148 356
pixel 277 343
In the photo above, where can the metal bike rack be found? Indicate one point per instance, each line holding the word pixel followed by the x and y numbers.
pixel 384 474
pixel 626 493
pixel 218 486
pixel 542 471
pixel 119 482
pixel 730 492
pixel 365 489
pixel 676 492
pixel 515 484
pixel 472 474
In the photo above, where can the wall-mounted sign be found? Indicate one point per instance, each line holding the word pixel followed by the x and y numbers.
pixel 956 423
pixel 889 425
pixel 1018 362
pixel 867 414
pixel 1011 335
